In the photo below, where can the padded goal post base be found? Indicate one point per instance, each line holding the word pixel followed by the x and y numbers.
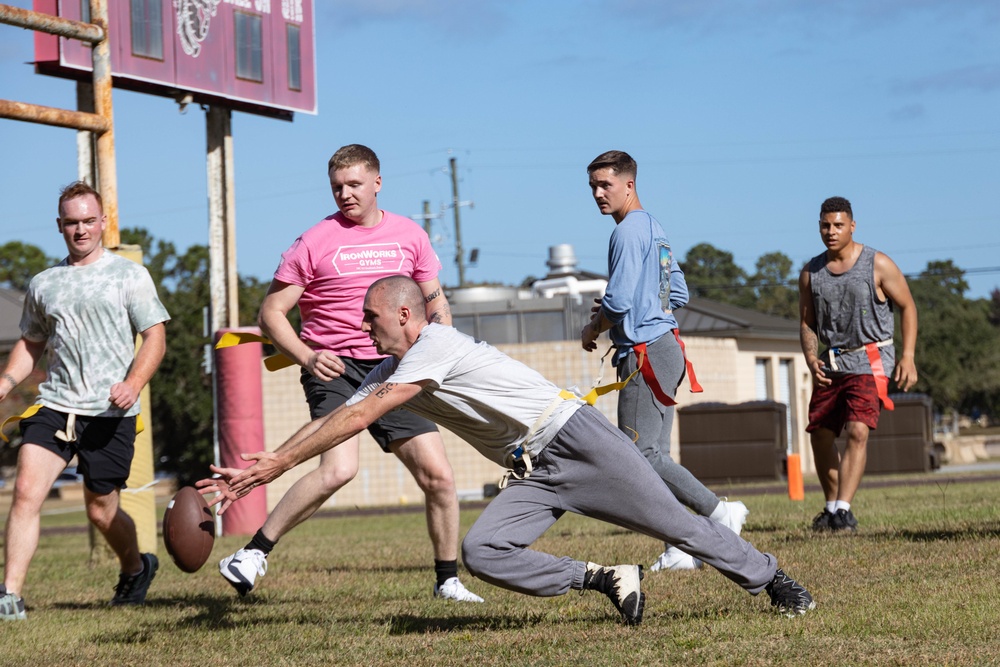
pixel 240 413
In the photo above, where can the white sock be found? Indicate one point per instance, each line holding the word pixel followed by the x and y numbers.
pixel 831 506
pixel 842 505
pixel 719 513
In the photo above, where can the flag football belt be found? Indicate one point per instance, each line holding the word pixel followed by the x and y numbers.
pixel 649 376
pixel 273 363
pixel 520 462
pixel 66 435
pixel 878 371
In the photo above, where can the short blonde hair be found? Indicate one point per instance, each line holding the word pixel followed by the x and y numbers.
pixel 351 155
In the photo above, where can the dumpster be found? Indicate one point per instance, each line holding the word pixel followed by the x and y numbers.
pixel 904 439
pixel 741 442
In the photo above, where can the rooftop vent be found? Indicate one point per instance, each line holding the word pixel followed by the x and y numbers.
pixel 562 260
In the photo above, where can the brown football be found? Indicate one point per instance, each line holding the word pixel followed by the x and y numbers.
pixel 188 529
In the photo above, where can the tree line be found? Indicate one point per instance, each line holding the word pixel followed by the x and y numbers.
pixel 958 346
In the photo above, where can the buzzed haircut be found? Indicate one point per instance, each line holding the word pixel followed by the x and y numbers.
pixel 619 162
pixel 78 189
pixel 351 155
pixel 836 205
pixel 399 291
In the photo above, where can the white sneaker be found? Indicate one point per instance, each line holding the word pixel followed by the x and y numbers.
pixel 242 569
pixel 736 516
pixel 452 589
pixel 675 559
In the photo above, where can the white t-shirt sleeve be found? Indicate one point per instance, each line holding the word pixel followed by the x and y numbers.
pixel 426 361
pixel 375 377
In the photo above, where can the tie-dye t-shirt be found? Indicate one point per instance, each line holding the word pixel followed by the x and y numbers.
pixel 89 316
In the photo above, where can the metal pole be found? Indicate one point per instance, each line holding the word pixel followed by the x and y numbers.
pixel 54 25
pixel 36 113
pixel 229 178
pixel 107 173
pixel 221 220
pixel 427 217
pixel 459 260
pixel 86 164
pixel 216 221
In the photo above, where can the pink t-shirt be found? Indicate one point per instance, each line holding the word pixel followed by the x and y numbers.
pixel 336 262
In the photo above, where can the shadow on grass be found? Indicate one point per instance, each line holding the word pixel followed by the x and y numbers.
pixel 408 624
pixel 212 612
pixel 947 535
pixel 970 531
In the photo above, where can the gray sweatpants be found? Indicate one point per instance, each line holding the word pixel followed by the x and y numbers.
pixel 643 417
pixel 592 469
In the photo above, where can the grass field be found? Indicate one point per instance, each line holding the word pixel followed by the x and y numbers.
pixel 918 585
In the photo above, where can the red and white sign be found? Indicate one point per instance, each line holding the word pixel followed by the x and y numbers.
pixel 250 55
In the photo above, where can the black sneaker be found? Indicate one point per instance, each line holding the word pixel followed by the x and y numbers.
pixel 132 588
pixel 790 598
pixel 843 520
pixel 822 521
pixel 621 584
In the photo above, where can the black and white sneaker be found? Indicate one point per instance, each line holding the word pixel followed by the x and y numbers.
pixel 242 569
pixel 132 588
pixel 621 584
pixel 789 597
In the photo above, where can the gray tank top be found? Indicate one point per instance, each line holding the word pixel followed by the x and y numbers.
pixel 849 314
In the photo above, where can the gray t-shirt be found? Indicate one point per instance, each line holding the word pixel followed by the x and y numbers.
pixel 88 316
pixel 476 391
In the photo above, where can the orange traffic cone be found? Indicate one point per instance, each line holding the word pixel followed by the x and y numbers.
pixel 796 490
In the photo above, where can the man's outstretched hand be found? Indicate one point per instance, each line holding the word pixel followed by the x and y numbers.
pixel 231 484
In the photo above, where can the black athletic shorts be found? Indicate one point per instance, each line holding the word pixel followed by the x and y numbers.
pixel 325 397
pixel 104 446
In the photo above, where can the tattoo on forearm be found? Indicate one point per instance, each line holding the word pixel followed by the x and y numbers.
pixel 433 295
pixel 440 314
pixel 385 389
pixel 810 342
pixel 9 378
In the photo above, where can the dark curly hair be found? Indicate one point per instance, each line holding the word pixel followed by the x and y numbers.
pixel 836 205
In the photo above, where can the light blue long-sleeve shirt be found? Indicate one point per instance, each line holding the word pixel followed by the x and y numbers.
pixel 645 283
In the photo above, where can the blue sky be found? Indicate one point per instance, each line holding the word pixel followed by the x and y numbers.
pixel 743 117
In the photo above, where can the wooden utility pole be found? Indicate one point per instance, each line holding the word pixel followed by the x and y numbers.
pixel 459 260
pixel 427 217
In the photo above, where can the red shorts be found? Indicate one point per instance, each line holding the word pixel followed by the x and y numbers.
pixel 851 398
